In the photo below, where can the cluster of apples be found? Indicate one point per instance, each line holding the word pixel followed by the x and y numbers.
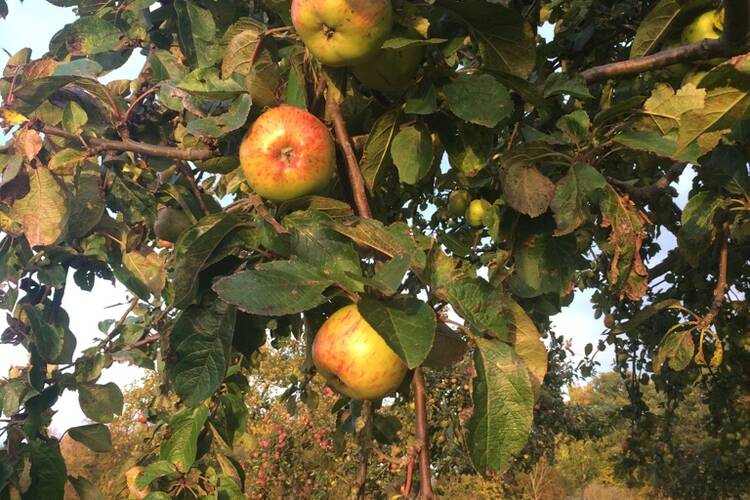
pixel 289 153
pixel 460 203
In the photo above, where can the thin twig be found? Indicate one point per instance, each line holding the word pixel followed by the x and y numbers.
pixel 188 173
pixel 721 283
pixel 356 179
pixel 142 342
pixel 646 193
pixel 263 211
pixel 100 145
pixel 420 404
pixel 118 326
pixel 364 444
pixel 135 104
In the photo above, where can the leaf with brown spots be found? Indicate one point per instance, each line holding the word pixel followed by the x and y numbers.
pixel 43 212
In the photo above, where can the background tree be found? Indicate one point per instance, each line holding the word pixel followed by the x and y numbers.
pixel 566 146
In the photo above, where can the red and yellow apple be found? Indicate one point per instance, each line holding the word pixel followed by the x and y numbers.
pixel 354 358
pixel 342 32
pixel 458 201
pixel 475 212
pixel 390 70
pixel 287 153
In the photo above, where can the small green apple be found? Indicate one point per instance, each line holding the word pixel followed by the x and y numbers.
pixel 287 153
pixel 342 32
pixel 170 223
pixel 475 212
pixel 703 27
pixel 390 70
pixel 354 358
pixel 458 201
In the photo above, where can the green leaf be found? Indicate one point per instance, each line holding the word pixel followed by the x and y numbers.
pixel 389 276
pixel 506 41
pixel 697 229
pixel 575 125
pixel 148 268
pixel 275 288
pixel 239 52
pixel 65 161
pixel 133 201
pixel 566 84
pixel 85 489
pixel 96 437
pixel 406 324
pixel 86 202
pixel 199 347
pixel 31 94
pixel 479 99
pixel 677 348
pixel 412 152
pixel 573 194
pixel 207 83
pixel 526 189
pixel 503 406
pixel 375 157
pixel 402 42
pixel 154 471
pixel 392 241
pixel 48 473
pixel 469 147
pixel 43 212
pixel 423 102
pixel 315 242
pixel 218 126
pixel 196 32
pixel 653 142
pixel 74 118
pixel 645 314
pixel 92 35
pixel 181 448
pixel 654 28
pixel 543 264
pixel 193 250
pixel 100 403
pixel 48 338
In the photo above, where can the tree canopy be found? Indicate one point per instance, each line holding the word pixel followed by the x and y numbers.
pixel 470 198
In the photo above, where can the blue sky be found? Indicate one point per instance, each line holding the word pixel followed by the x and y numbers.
pixel 32 24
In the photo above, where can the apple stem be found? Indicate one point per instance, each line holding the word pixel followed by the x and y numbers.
pixel 420 405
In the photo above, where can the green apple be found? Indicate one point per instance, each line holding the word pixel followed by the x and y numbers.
pixel 170 223
pixel 458 201
pixel 703 27
pixel 342 32
pixel 475 212
pixel 390 70
pixel 354 358
pixel 287 153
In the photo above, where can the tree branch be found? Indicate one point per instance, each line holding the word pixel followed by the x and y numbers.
pixel 355 174
pixel 364 444
pixel 646 193
pixel 99 145
pixel 185 169
pixel 704 49
pixel 420 403
pixel 721 283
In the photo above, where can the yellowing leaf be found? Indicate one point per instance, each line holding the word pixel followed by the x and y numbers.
pixel 148 267
pixel 665 107
pixel 9 118
pixel 43 212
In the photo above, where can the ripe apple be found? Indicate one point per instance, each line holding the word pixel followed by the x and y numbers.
pixel 475 212
pixel 354 358
pixel 130 476
pixel 458 201
pixel 707 25
pixel 342 32
pixel 170 223
pixel 287 153
pixel 390 70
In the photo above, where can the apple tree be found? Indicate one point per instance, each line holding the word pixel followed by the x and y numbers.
pixel 451 171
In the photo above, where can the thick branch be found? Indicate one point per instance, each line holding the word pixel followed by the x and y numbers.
pixel 420 404
pixel 704 49
pixel 721 283
pixel 352 165
pixel 648 192
pixel 99 145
